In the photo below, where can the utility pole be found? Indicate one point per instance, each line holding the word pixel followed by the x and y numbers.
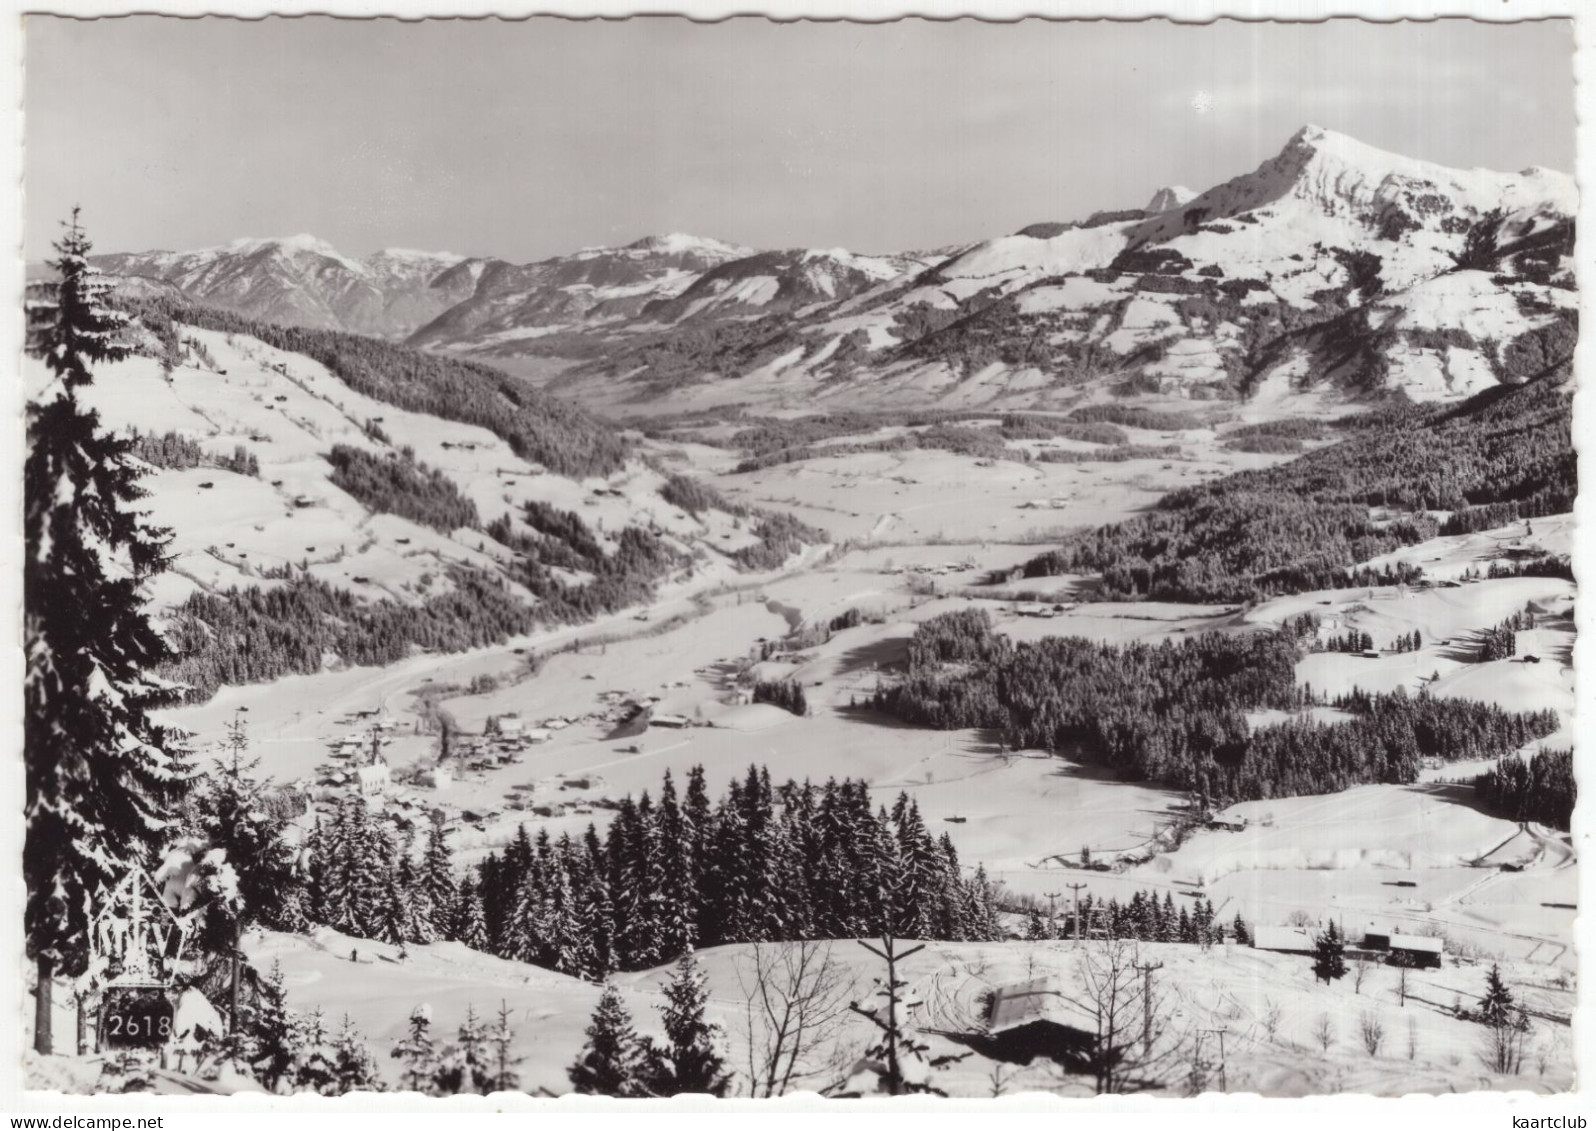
pixel 1052 911
pixel 1075 890
pixel 1147 969
pixel 1220 1032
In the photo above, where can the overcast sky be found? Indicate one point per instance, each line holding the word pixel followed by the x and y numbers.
pixel 531 139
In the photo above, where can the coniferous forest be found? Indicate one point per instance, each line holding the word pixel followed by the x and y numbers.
pixel 762 863
pixel 1504 455
pixel 396 483
pixel 1541 789
pixel 1175 713
pixel 253 634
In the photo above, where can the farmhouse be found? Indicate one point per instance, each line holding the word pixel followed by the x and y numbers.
pixel 1412 950
pixel 1036 1018
pixel 670 721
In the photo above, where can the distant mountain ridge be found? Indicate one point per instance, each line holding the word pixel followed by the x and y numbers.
pixel 304 281
pixel 1332 265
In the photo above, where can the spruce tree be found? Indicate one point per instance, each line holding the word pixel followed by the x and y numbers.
pixel 904 1066
pixel 246 843
pixel 438 881
pixel 697 815
pixel 394 917
pixel 558 925
pixel 329 871
pixel 688 1062
pixel 354 1068
pixel 642 924
pixel 523 927
pixel 1329 960
pixel 100 783
pixel 501 1038
pixel 679 922
pixel 233 816
pixel 465 1066
pixel 418 912
pixel 468 926
pixel 596 922
pixel 276 1048
pixel 416 1052
pixel 1243 935
pixel 612 1061
pixel 1496 1007
pixel 315 1065
pixel 370 876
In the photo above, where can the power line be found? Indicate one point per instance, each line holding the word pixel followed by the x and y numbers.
pixel 1147 969
pixel 1075 890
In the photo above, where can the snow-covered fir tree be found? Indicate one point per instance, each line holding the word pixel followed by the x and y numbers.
pixel 100 782
pixel 467 1064
pixel 238 829
pixel 612 1061
pixel 1329 955
pixel 467 925
pixel 437 875
pixel 354 1068
pixel 316 1060
pixel 501 1042
pixel 688 1061
pixel 417 1053
pixel 276 1047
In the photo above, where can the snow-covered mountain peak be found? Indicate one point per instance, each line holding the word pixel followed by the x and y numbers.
pixel 411 255
pixel 1323 175
pixel 681 243
pixel 1170 196
pixel 304 241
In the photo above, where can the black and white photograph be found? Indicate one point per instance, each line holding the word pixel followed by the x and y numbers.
pixel 759 558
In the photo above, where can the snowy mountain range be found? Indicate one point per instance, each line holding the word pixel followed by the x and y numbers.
pixel 303 281
pixel 1332 265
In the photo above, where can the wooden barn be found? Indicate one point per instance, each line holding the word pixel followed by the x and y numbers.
pixel 1036 1018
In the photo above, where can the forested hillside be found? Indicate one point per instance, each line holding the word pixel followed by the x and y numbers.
pixel 1176 713
pixel 1505 454
pixel 537 427
pixel 399 484
pixel 247 635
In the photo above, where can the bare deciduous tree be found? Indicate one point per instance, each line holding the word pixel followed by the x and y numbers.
pixel 1324 1031
pixel 1372 1030
pixel 1271 1018
pixel 1135 1044
pixel 1360 971
pixel 795 999
pixel 1505 1042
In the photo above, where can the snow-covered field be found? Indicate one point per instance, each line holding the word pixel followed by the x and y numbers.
pixel 1269 1004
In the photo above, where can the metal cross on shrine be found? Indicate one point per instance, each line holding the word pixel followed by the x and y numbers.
pixel 136 935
